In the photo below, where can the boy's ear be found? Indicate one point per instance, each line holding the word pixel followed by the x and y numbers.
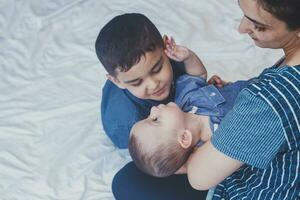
pixel 115 80
pixel 185 139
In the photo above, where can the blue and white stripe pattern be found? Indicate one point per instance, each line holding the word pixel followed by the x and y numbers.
pixel 280 179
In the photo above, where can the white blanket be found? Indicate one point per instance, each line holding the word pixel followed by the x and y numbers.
pixel 52 144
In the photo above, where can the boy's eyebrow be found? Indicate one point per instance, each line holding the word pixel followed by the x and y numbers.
pixel 154 66
pixel 131 81
pixel 157 63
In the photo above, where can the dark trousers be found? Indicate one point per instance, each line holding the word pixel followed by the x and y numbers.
pixel 132 184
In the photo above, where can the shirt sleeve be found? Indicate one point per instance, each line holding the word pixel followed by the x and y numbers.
pixel 251 132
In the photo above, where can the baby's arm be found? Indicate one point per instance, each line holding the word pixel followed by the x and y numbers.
pixel 192 62
pixel 217 81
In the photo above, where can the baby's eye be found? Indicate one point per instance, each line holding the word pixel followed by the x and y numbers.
pixel 154 119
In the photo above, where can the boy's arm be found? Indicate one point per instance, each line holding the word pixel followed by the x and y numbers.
pixel 193 64
pixel 207 167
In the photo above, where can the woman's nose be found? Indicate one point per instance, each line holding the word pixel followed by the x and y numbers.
pixel 245 26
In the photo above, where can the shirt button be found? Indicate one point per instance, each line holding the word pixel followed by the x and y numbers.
pixel 212 94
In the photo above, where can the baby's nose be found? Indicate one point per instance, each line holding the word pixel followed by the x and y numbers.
pixel 153 110
pixel 171 104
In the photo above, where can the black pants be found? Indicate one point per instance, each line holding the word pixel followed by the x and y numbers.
pixel 131 184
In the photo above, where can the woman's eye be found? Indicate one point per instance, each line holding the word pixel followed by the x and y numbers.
pixel 259 28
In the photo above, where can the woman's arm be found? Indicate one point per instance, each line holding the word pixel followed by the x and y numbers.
pixel 207 167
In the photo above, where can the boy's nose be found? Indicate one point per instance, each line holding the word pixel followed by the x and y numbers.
pixel 152 84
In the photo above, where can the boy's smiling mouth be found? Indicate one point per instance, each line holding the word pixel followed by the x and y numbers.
pixel 159 91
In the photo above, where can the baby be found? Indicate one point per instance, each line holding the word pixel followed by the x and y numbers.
pixel 161 144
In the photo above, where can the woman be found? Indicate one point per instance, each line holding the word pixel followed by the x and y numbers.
pixel 255 152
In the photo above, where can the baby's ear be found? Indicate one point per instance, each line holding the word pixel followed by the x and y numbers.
pixel 115 80
pixel 185 139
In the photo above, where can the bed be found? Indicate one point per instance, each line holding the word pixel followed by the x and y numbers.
pixel 52 144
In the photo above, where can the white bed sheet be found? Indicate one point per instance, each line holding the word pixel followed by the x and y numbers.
pixel 52 145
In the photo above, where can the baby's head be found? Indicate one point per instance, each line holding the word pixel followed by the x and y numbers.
pixel 160 144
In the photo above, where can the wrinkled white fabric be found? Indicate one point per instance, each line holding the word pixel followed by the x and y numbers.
pixel 52 145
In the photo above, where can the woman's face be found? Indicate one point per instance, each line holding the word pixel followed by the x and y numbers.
pixel 266 30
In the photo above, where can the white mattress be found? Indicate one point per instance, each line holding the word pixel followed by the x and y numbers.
pixel 52 144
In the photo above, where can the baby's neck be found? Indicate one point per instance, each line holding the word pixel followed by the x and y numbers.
pixel 199 126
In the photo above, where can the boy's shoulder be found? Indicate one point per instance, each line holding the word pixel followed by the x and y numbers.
pixel 118 114
pixel 120 106
pixel 115 99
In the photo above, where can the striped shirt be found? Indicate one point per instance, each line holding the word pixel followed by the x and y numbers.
pixel 262 130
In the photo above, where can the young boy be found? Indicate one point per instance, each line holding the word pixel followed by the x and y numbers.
pixel 140 73
pixel 162 143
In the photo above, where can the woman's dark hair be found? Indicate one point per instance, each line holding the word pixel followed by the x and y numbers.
pixel 124 40
pixel 287 11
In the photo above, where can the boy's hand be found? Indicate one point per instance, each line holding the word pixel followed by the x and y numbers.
pixel 217 81
pixel 175 52
pixel 192 63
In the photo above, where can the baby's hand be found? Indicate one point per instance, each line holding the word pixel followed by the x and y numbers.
pixel 217 81
pixel 175 52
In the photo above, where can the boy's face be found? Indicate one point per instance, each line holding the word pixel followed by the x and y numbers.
pixel 151 78
pixel 163 123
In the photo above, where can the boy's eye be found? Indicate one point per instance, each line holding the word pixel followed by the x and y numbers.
pixel 137 84
pixel 157 69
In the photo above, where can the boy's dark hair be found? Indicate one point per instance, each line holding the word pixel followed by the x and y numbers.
pixel 163 161
pixel 284 10
pixel 124 40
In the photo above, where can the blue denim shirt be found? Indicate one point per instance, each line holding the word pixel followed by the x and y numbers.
pixel 194 92
pixel 120 109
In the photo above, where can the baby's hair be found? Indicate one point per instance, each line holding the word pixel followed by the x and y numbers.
pixel 163 160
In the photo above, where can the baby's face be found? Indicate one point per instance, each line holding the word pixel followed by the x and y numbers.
pixel 162 123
